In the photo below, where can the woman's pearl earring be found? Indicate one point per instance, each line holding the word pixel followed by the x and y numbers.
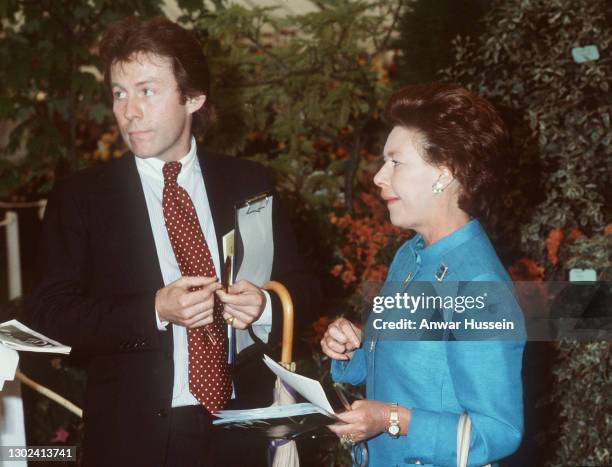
pixel 437 186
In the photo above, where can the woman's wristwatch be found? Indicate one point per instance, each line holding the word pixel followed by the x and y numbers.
pixel 394 428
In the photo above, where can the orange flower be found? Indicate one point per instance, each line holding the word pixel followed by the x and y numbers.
pixel 368 240
pixel 553 242
pixel 526 269
pixel 608 230
pixel 574 234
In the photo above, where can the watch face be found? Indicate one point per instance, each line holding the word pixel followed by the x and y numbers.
pixel 394 430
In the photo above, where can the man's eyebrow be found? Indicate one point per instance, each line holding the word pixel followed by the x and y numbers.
pixel 141 82
pixel 148 81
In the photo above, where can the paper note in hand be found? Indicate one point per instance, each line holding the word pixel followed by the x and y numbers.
pixel 308 388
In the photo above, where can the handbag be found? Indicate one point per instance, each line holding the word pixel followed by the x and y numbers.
pixel 464 428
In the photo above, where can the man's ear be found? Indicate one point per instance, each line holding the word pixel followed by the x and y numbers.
pixel 195 103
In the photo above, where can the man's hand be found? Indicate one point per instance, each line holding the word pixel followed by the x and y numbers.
pixel 177 304
pixel 244 302
pixel 341 339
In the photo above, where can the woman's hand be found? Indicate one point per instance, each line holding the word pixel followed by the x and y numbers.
pixel 366 420
pixel 341 339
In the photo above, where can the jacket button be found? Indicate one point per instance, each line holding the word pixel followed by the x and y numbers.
pixel 161 413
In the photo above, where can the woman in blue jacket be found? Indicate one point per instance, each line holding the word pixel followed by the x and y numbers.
pixel 438 177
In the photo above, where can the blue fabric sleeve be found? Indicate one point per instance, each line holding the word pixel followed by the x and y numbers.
pixel 352 371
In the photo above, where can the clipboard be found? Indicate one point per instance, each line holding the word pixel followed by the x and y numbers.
pixel 251 252
pixel 253 239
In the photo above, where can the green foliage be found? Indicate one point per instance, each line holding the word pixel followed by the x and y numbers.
pixel 289 86
pixel 427 29
pixel 50 85
pixel 583 369
pixel 559 111
pixel 561 108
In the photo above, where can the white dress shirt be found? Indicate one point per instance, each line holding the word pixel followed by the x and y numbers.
pixel 190 178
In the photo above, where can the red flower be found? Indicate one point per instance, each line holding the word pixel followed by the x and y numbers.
pixel 553 242
pixel 61 436
pixel 574 234
pixel 526 269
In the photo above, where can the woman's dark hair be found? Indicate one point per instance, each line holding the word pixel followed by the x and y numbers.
pixel 460 131
pixel 162 37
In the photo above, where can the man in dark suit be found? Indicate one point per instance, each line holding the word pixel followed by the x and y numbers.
pixel 130 257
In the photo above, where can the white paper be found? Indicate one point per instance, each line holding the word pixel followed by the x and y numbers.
pixel 308 388
pixel 228 244
pixel 9 359
pixel 18 336
pixel 264 413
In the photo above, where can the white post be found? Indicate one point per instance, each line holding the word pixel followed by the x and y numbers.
pixel 12 427
pixel 42 205
pixel 11 221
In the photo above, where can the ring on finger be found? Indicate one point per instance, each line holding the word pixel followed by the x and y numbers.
pixel 347 439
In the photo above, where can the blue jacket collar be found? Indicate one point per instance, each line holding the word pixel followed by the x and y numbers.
pixel 453 240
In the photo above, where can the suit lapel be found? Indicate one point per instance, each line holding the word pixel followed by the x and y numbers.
pixel 130 214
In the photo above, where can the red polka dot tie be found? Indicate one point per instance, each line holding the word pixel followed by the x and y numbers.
pixel 209 377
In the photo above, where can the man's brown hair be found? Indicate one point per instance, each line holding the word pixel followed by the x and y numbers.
pixel 160 36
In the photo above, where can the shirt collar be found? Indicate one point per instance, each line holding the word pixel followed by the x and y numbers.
pixel 153 166
pixel 436 250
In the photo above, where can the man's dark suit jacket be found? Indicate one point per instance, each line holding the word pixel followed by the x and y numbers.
pixel 99 274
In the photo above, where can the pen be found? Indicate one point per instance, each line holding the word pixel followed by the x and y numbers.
pixel 207 328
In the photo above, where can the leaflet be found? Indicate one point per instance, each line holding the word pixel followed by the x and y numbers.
pixel 18 336
pixel 291 420
pixel 308 388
